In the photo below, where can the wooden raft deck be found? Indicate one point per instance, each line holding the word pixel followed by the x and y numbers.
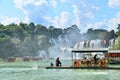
pixel 68 67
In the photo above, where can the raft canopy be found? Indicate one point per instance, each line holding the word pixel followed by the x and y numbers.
pixel 114 51
pixel 90 50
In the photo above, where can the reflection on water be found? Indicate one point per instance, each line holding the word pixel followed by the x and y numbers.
pixel 56 74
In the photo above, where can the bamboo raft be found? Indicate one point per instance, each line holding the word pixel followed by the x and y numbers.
pixel 70 67
pixel 89 64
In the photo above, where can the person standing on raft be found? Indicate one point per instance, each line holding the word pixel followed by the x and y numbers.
pixel 95 59
pixel 58 63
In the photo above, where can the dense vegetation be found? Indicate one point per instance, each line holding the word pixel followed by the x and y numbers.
pixel 118 37
pixel 27 39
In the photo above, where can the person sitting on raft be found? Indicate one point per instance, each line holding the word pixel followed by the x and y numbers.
pixel 58 63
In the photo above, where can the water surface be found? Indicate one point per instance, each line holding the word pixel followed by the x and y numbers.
pixel 31 72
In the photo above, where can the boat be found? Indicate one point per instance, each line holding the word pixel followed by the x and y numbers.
pixel 87 61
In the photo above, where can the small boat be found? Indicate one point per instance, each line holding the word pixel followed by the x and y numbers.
pixel 89 62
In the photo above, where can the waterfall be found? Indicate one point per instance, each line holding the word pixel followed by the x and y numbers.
pixel 42 54
pixel 96 44
pixel 89 44
pixel 80 44
pixel 112 43
pixel 62 47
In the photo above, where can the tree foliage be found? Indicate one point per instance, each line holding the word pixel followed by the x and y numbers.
pixel 25 39
pixel 118 37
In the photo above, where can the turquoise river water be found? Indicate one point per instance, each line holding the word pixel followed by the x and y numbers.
pixel 35 70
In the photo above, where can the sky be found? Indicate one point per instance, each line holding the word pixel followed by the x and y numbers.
pixel 96 14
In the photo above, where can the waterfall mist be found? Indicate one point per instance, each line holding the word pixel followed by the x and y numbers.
pixel 62 46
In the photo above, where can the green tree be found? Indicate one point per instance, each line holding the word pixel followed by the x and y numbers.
pixel 118 37
pixel 118 32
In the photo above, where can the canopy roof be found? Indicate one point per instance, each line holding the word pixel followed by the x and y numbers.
pixel 90 50
pixel 114 51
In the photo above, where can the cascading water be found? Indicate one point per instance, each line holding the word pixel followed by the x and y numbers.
pixel 66 53
pixel 112 43
pixel 89 44
pixel 42 54
pixel 79 45
pixel 62 52
pixel 95 44
pixel 62 48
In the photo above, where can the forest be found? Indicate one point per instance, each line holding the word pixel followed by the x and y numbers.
pixel 23 39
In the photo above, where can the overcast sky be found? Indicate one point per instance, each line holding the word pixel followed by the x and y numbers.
pixel 96 14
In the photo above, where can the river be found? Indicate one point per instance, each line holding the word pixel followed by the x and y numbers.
pixel 35 70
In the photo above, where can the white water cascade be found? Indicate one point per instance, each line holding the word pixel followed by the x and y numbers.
pixel 112 43
pixel 89 44
pixel 62 47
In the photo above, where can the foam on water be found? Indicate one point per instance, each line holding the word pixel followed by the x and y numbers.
pixel 99 73
pixel 34 66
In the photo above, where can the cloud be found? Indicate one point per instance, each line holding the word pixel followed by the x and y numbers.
pixel 110 24
pixel 96 25
pixel 113 23
pixel 26 19
pixel 53 3
pixel 35 10
pixel 9 20
pixel 84 15
pixel 22 4
pixel 114 3
pixel 89 15
pixel 61 21
pixel 63 1
pixel 65 17
pixel 43 11
pixel 95 8
pixel 77 14
pixel 57 13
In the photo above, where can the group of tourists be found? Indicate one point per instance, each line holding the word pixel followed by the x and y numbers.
pixel 92 62
pixel 95 61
